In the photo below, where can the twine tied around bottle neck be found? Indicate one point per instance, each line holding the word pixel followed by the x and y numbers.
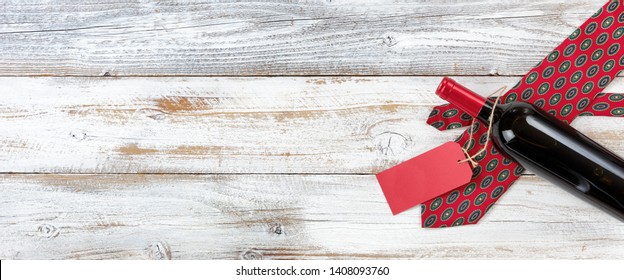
pixel 472 158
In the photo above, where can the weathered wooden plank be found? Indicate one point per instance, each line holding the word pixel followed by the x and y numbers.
pixel 230 125
pixel 283 37
pixel 133 216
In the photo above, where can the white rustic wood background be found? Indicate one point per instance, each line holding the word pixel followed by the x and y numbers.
pixel 252 129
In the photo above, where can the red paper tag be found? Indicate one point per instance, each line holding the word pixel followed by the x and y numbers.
pixel 424 177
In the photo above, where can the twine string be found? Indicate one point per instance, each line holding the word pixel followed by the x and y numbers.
pixel 470 158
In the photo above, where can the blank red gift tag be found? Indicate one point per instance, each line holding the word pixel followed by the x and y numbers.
pixel 424 177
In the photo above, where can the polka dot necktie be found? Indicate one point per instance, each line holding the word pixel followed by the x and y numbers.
pixel 566 84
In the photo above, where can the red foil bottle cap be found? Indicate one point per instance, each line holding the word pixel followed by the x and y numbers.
pixel 458 95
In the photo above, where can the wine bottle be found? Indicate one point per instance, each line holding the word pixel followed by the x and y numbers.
pixel 547 146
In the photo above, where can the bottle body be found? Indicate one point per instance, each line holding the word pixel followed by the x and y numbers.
pixel 557 152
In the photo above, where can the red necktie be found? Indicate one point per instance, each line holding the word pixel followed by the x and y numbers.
pixel 566 84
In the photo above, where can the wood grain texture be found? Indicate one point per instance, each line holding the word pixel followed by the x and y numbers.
pixel 230 125
pixel 282 37
pixel 137 216
pixel 248 164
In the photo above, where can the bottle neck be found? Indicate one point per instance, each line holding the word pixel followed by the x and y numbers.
pixel 486 111
pixel 465 99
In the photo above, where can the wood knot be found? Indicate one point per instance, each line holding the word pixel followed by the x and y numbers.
pixel 494 72
pixel 159 251
pixel 106 74
pixel 48 231
pixel 78 135
pixel 153 114
pixel 276 228
pixel 251 255
pixel 391 143
pixel 389 41
pixel 157 117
